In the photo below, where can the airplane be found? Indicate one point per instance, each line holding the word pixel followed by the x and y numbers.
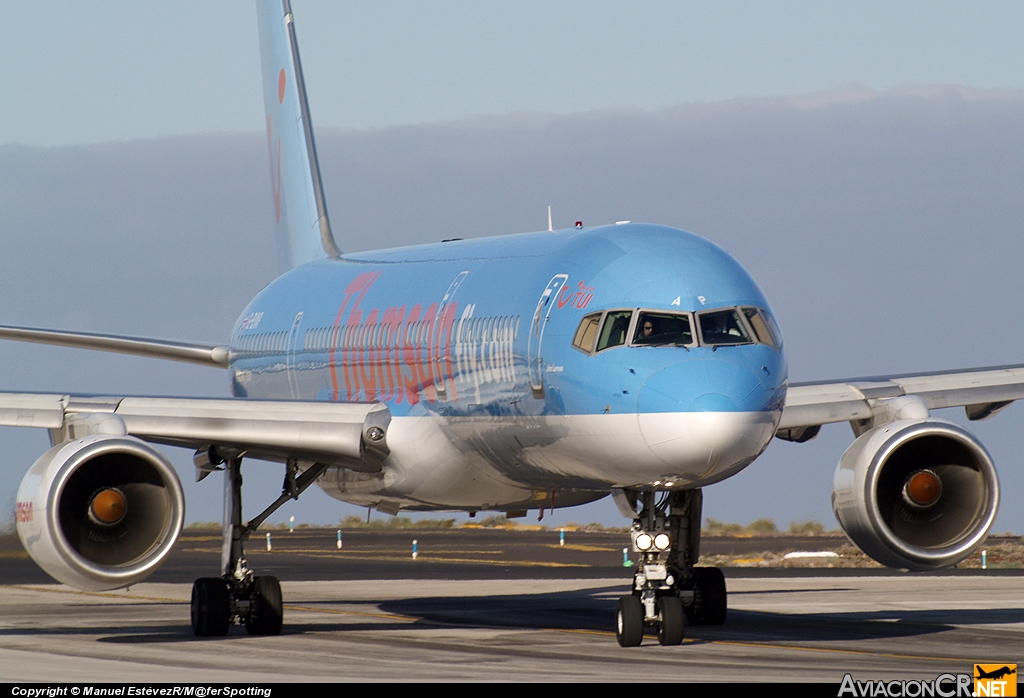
pixel 512 373
pixel 994 674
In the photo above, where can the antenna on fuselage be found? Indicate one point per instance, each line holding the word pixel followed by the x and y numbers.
pixel 550 229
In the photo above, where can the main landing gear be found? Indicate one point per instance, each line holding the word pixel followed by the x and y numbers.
pixel 668 590
pixel 238 596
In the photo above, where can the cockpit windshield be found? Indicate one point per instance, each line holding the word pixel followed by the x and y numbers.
pixel 661 329
pixel 719 327
pixel 615 329
pixel 585 333
pixel 764 326
pixel 649 328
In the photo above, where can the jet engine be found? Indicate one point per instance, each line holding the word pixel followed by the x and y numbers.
pixel 916 494
pixel 100 512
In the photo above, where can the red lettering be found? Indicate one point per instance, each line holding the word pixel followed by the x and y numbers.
pixel 356 285
pixel 23 512
pixel 425 354
pixel 366 363
pixel 411 382
pixel 385 356
pixel 579 299
pixel 361 284
pixel 382 363
pixel 564 299
pixel 393 317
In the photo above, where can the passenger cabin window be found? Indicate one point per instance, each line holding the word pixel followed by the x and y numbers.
pixel 615 329
pixel 585 333
pixel 663 329
pixel 722 327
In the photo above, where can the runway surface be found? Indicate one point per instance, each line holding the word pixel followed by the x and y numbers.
pixel 312 554
pixel 549 616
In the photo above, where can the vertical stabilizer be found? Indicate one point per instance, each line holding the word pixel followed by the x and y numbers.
pixel 302 229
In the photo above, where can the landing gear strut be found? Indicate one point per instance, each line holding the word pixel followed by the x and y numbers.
pixel 238 596
pixel 667 586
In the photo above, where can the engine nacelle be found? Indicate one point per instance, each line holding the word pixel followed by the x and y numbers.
pixel 916 494
pixel 100 512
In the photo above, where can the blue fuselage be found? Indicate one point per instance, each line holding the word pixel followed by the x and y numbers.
pixel 486 338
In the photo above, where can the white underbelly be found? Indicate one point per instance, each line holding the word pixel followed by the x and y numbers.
pixel 491 462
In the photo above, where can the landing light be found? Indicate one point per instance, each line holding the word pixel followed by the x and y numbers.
pixel 661 541
pixel 644 541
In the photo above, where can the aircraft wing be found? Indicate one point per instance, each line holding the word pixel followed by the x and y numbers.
pixel 206 354
pixel 351 434
pixel 333 433
pixel 981 391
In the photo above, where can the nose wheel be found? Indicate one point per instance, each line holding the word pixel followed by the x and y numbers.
pixel 670 617
pixel 629 619
pixel 709 597
pixel 668 589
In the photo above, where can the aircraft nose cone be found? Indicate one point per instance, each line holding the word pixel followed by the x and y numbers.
pixel 708 413
pixel 713 402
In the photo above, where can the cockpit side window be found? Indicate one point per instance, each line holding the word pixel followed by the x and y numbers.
pixel 663 329
pixel 719 327
pixel 615 329
pixel 764 326
pixel 586 332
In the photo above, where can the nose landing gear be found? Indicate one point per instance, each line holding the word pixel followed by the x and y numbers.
pixel 709 597
pixel 667 586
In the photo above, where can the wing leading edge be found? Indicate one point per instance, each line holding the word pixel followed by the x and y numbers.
pixel 349 434
pixel 981 391
pixel 190 352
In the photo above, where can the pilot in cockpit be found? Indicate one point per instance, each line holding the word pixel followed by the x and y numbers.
pixel 645 332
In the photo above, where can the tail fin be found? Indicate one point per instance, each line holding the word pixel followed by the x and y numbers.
pixel 302 229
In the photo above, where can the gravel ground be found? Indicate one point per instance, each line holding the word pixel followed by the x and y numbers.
pixel 1002 552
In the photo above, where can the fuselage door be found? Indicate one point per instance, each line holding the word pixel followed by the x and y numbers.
pixel 536 338
pixel 441 358
pixel 291 350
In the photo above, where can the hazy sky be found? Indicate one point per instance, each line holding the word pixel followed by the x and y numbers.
pixel 884 227
pixel 79 72
pixel 885 230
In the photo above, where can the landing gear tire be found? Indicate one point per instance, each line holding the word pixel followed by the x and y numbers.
pixel 266 613
pixel 670 631
pixel 629 621
pixel 211 607
pixel 709 597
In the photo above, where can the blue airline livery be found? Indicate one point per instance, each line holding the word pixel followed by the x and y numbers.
pixel 513 373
